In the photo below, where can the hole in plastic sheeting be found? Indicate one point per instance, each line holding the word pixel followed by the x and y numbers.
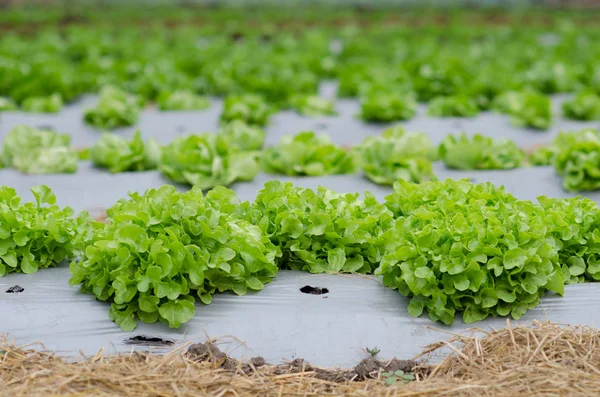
pixel 143 340
pixel 313 290
pixel 46 127
pixel 15 289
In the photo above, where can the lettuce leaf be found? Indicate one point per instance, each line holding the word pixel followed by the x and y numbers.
pixel 526 108
pixel 578 159
pixel 453 106
pixel 182 100
pixel 118 155
pixel 584 106
pixel 480 153
pixel 115 108
pixel 250 108
pixel 242 136
pixel 312 105
pixel 43 104
pixel 387 106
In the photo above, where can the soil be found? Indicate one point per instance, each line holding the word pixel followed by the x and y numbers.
pixel 369 368
pixel 15 289
pixel 314 290
pixel 142 340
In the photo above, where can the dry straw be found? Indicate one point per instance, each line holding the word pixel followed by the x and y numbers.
pixel 541 359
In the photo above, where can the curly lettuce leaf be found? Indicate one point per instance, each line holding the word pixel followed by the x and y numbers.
pixel 578 159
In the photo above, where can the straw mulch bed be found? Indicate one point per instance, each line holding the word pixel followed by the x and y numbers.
pixel 542 359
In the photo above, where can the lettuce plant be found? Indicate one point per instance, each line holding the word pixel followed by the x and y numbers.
pixel 37 235
pixel 43 104
pixel 7 104
pixel 242 136
pixel 394 155
pixel 34 151
pixel 307 154
pixel 320 231
pixel 386 107
pixel 206 161
pixel 453 106
pixel 584 106
pixel 118 155
pixel 480 153
pixel 250 108
pixel 115 108
pixel 470 248
pixel 163 250
pixel 578 159
pixel 526 108
pixel 312 105
pixel 543 155
pixel 182 100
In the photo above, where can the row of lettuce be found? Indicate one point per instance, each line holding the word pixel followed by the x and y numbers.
pixel 460 70
pixel 452 247
pixel 235 153
pixel 117 108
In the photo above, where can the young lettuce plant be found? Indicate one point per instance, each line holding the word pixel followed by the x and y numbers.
pixel 312 105
pixel 7 104
pixel 307 154
pixel 453 106
pixel 119 155
pixel 43 104
pixel 527 109
pixel 585 106
pixel 578 159
pixel 320 231
pixel 386 107
pixel 471 248
pixel 206 161
pixel 37 235
pixel 34 151
pixel 163 250
pixel 543 155
pixel 480 153
pixel 250 108
pixel 396 155
pixel 242 136
pixel 115 108
pixel 182 100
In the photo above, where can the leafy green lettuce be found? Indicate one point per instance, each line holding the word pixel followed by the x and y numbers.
pixel 242 136
pixel 312 105
pixel 43 104
pixel 480 152
pixel 394 155
pixel 250 108
pixel 163 250
pixel 34 151
pixel 309 154
pixel 470 248
pixel 37 235
pixel 118 155
pixel 584 106
pixel 526 108
pixel 7 104
pixel 206 161
pixel 115 108
pixel 320 231
pixel 453 106
pixel 578 159
pixel 182 100
pixel 386 107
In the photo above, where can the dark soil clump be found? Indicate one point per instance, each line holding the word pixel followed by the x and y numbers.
pixel 15 289
pixel 148 341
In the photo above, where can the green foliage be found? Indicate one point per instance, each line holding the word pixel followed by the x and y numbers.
pixel 34 151
pixel 527 109
pixel 453 106
pixel 115 108
pixel 387 106
pixel 578 159
pixel 43 104
pixel 307 154
pixel 312 105
pixel 119 155
pixel 182 100
pixel 320 231
pixel 470 248
pixel 584 106
pixel 249 108
pixel 480 153
pixel 37 235
pixel 543 155
pixel 397 377
pixel 7 104
pixel 163 250
pixel 206 161
pixel 575 223
pixel 242 136
pixel 394 155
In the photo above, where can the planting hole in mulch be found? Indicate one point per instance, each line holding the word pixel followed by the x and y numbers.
pixel 143 340
pixel 46 127
pixel 15 289
pixel 313 290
